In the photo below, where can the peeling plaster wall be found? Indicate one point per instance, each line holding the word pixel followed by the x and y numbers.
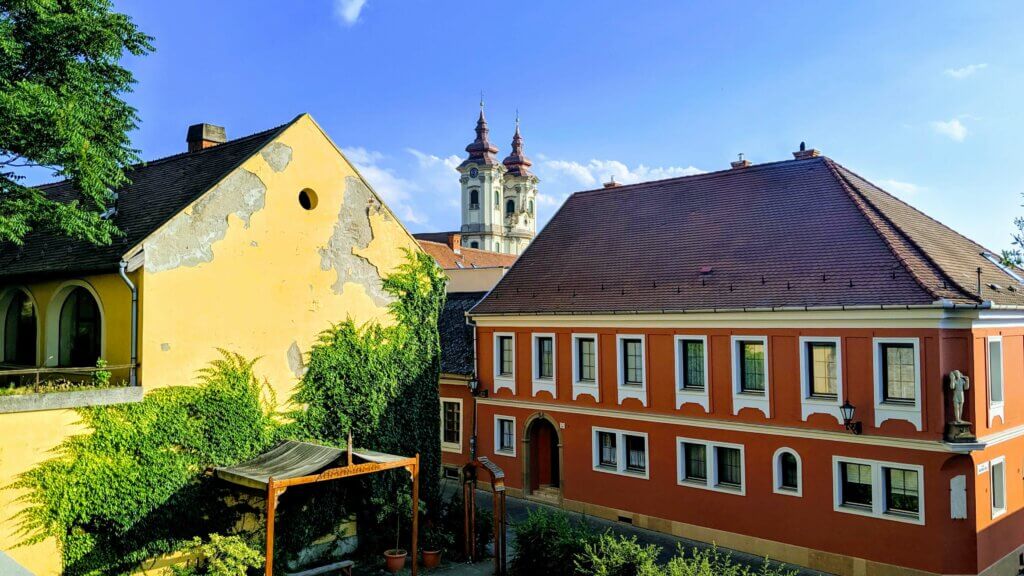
pixel 247 269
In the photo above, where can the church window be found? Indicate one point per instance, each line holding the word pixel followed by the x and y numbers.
pixel 497 199
pixel 497 246
pixel 474 244
pixel 474 199
pixel 510 207
pixel 531 207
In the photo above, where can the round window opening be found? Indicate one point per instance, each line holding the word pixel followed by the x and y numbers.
pixel 307 199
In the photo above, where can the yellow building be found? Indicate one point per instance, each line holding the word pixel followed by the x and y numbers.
pixel 253 245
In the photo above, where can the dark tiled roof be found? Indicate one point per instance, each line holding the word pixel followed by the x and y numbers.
pixel 158 190
pixel 456 335
pixel 799 233
pixel 466 258
pixel 441 237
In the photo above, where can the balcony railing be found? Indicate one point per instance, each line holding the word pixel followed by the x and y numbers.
pixel 42 378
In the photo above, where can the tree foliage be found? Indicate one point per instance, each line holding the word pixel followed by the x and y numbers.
pixel 61 108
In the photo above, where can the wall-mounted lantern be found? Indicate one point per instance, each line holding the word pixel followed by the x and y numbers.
pixel 848 411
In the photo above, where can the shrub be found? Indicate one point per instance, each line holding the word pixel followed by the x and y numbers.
pixel 451 520
pixel 549 543
pixel 612 555
pixel 221 556
pixel 713 562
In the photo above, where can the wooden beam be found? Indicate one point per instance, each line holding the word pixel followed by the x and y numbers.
pixel 271 510
pixel 348 471
pixel 415 513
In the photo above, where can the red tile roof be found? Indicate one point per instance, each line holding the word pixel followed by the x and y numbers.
pixel 798 233
pixel 447 258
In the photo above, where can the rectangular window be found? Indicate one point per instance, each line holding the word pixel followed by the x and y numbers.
pixel 632 362
pixel 609 452
pixel 505 355
pixel 856 484
pixel 821 369
pixel 506 435
pixel 586 360
pixel 695 462
pixel 901 491
pixel 898 372
pixel 997 472
pixel 995 370
pixel 545 351
pixel 451 424
pixel 691 354
pixel 730 466
pixel 752 370
pixel 636 453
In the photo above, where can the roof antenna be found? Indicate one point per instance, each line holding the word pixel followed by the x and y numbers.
pixel 740 156
pixel 803 145
pixel 979 281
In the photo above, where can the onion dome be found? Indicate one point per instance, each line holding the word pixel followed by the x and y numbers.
pixel 517 162
pixel 481 151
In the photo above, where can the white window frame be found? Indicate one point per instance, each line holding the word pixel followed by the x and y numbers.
pixel 711 460
pixel 453 447
pixel 810 404
pixel 741 400
pixel 889 410
pixel 995 408
pixel 877 490
pixel 638 392
pixel 586 388
pixel 497 436
pixel 777 473
pixel 1001 462
pixel 504 380
pixel 620 449
pixel 544 384
pixel 685 395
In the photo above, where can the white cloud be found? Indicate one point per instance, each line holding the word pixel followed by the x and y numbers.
pixel 598 171
pixel 348 10
pixel 900 188
pixel 952 128
pixel 964 72
pixel 396 191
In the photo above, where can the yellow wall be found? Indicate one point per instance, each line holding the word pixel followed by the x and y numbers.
pixel 260 286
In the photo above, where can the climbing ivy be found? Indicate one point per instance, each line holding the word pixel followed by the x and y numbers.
pixel 134 487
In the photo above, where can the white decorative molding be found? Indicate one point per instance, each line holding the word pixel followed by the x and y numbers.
pixel 809 403
pixel 544 384
pixel 621 455
pixel 777 473
pixel 688 395
pixel 878 499
pixel 580 388
pixel 507 381
pixel 910 412
pixel 711 481
pixel 741 400
pixel 452 447
pixel 631 391
pixel 497 436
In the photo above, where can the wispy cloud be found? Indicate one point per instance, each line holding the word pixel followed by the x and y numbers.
pixel 964 72
pixel 900 188
pixel 348 10
pixel 954 129
pixel 398 192
pixel 595 172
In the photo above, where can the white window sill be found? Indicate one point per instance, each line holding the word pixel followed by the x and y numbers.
pixel 585 389
pixel 859 511
pixel 723 489
pixel 545 385
pixel 821 405
pixel 693 396
pixel 508 382
pixel 509 453
pixel 757 401
pixel 995 409
pixel 898 411
pixel 787 491
pixel 451 448
pixel 617 472
pixel 637 391
pixel 996 513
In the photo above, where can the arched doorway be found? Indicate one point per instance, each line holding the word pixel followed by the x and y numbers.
pixel 19 329
pixel 542 466
pixel 79 332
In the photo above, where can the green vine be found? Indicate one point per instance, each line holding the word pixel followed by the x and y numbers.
pixel 135 488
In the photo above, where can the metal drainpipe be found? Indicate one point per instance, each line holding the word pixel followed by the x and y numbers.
pixel 135 322
pixel 472 438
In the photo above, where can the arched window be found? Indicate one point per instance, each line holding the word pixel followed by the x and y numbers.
pixel 531 207
pixel 474 199
pixel 510 207
pixel 497 199
pixel 20 331
pixel 497 246
pixel 787 472
pixel 79 332
pixel 474 244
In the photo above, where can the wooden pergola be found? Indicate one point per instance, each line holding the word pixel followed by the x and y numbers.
pixel 292 463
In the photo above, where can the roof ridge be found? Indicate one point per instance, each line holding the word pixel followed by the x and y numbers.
pixel 861 202
pixel 700 176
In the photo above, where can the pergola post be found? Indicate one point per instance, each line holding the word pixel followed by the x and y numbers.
pixel 271 511
pixel 415 512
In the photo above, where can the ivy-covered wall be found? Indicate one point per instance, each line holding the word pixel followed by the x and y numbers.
pixel 135 486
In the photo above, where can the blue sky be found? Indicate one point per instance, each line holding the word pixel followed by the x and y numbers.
pixel 921 97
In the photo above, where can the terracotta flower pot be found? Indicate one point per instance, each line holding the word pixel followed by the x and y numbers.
pixel 431 558
pixel 395 559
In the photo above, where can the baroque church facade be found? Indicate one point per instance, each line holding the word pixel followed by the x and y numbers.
pixel 499 199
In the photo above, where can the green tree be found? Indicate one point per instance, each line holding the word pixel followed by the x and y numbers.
pixel 61 110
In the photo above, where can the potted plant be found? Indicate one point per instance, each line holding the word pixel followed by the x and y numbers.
pixel 435 540
pixel 394 558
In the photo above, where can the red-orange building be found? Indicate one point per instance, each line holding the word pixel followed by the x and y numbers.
pixel 683 355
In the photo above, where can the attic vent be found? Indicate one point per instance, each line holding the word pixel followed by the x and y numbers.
pixel 1011 272
pixel 995 287
pixel 112 210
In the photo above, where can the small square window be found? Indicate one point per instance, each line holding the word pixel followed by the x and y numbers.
pixel 730 466
pixel 899 372
pixel 822 369
pixel 695 458
pixel 636 453
pixel 901 491
pixel 856 484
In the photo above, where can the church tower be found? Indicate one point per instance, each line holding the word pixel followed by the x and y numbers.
pixel 498 198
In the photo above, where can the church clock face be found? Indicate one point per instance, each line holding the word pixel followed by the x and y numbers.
pixel 473 172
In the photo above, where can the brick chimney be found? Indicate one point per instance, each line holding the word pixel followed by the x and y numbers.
pixel 803 153
pixel 612 183
pixel 201 136
pixel 455 242
pixel 740 163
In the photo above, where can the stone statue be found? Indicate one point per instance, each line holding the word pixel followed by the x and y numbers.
pixel 958 383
